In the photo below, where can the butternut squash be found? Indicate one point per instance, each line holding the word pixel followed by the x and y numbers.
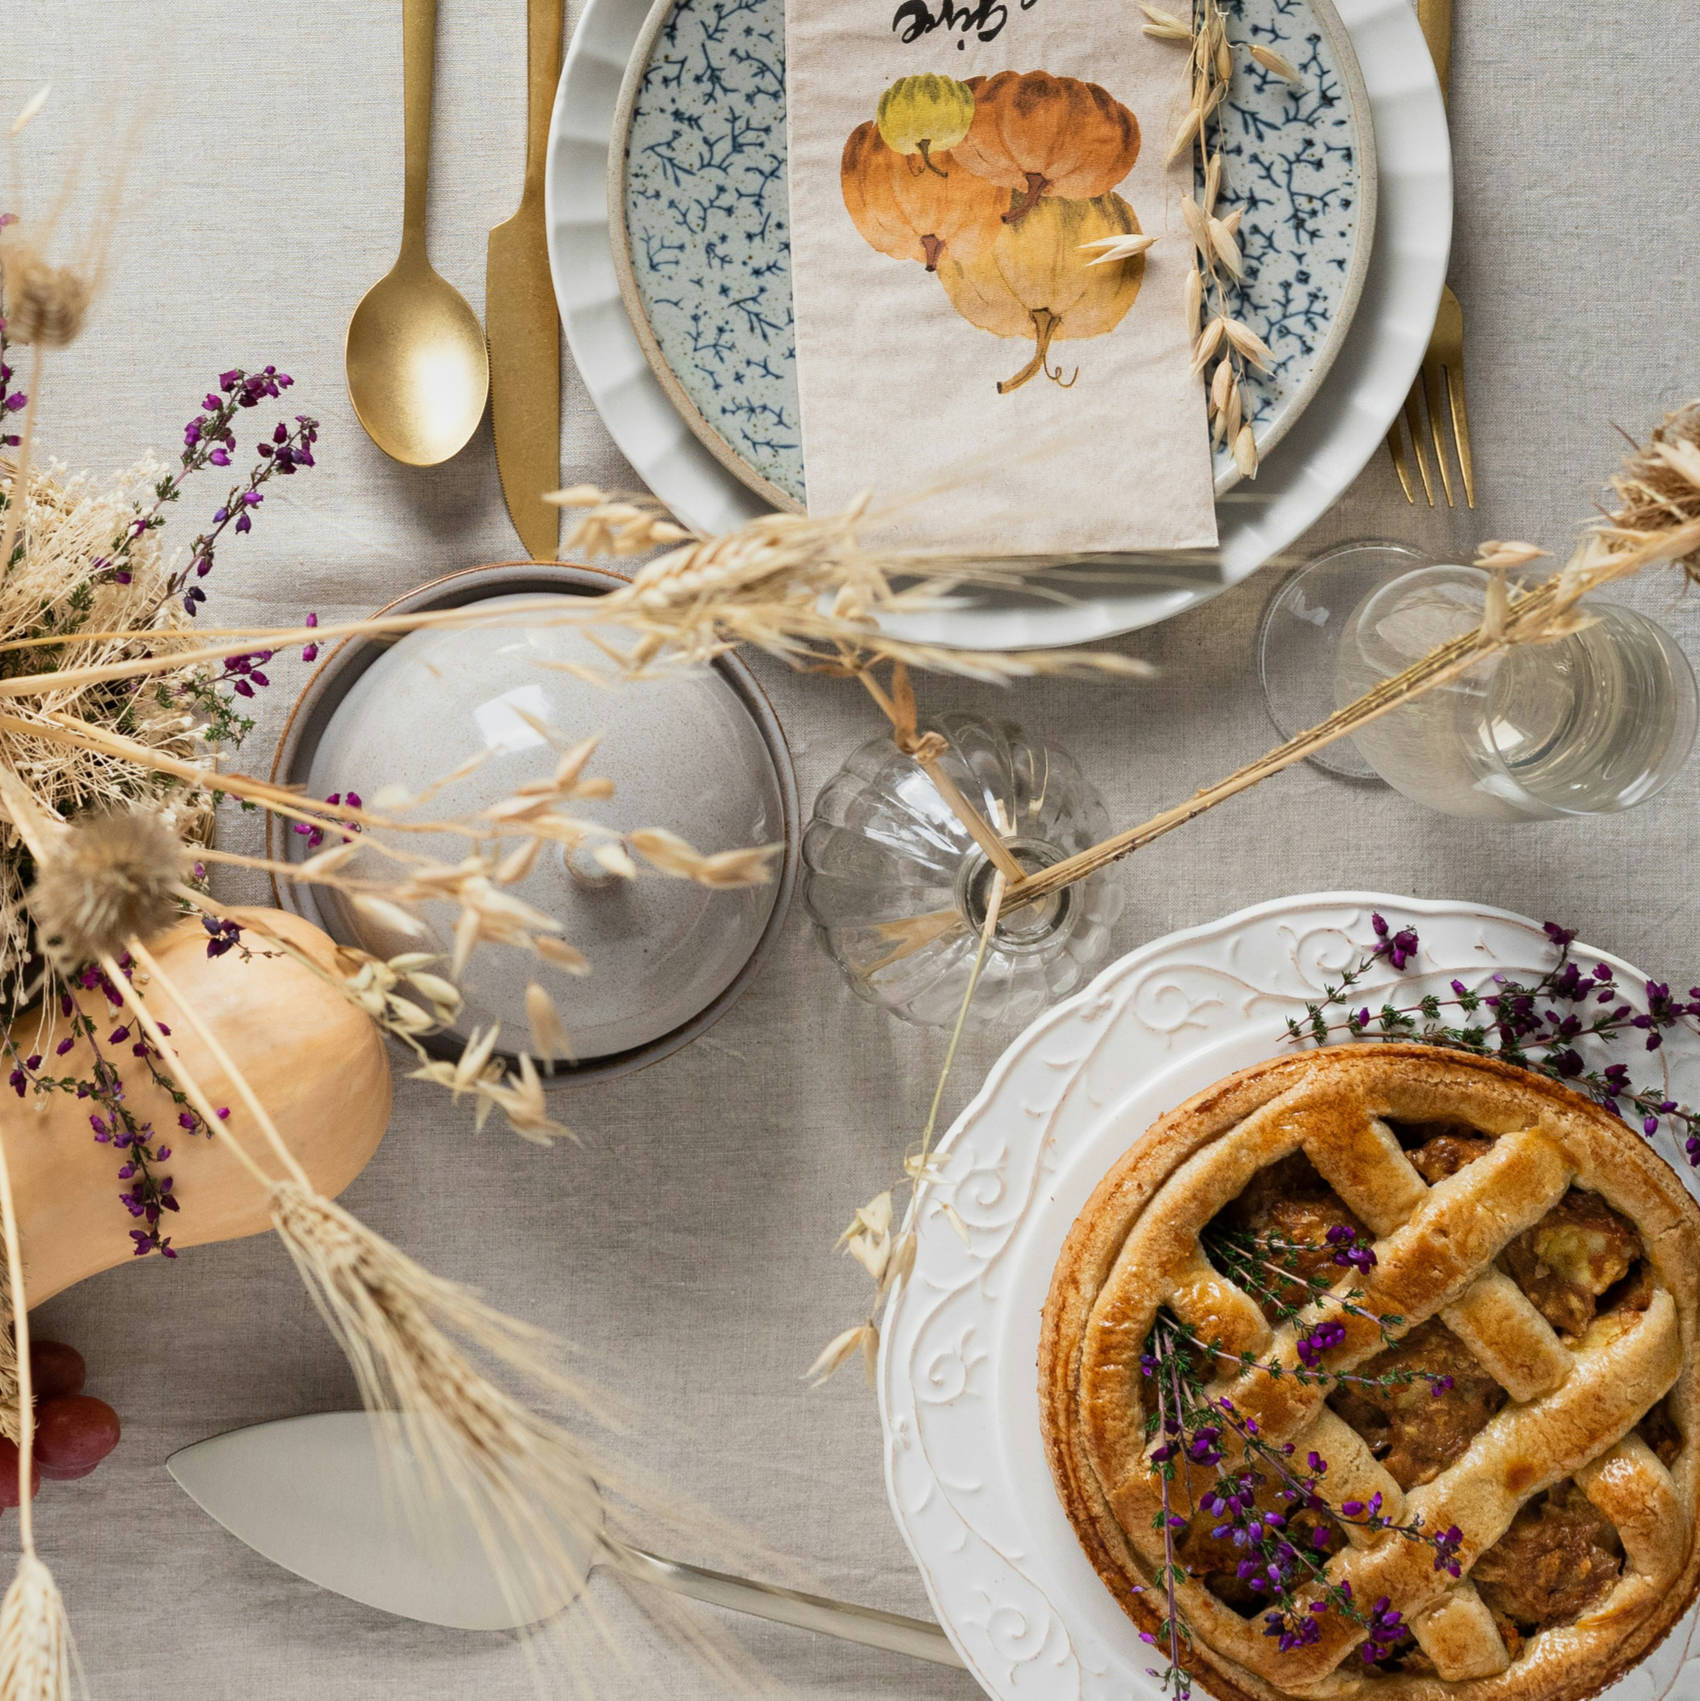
pixel 316 1062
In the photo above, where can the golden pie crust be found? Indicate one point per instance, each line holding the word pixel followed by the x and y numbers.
pixel 1573 1405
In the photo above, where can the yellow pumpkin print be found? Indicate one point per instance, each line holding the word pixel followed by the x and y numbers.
pixel 1034 281
pixel 918 114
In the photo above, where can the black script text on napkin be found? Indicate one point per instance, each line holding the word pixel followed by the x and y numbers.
pixel 985 18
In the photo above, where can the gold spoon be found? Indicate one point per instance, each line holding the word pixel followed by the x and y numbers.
pixel 418 370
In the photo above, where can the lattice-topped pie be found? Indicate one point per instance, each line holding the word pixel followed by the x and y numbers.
pixel 1500 1356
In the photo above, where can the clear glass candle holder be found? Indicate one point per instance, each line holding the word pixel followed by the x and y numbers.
pixel 898 887
pixel 1593 723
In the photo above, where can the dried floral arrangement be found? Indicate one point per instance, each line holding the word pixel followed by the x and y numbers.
pixel 120 706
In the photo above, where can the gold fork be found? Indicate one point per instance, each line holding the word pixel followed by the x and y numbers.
pixel 1440 384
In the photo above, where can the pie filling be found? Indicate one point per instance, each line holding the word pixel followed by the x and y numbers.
pixel 1583 1262
pixel 1288 1208
pixel 1560 1557
pixel 1223 1567
pixel 1415 1432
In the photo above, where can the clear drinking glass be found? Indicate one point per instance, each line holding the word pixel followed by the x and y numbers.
pixel 1590 724
pixel 1299 637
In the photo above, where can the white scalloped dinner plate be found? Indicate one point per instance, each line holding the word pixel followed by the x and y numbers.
pixel 958 1383
pixel 1325 450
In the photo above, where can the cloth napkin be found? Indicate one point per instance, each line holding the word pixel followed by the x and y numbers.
pixel 947 162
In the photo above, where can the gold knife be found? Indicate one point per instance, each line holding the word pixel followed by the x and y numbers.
pixel 520 318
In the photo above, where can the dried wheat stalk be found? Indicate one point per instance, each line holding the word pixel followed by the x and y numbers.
pixel 36 1651
pixel 407 1335
pixel 1658 522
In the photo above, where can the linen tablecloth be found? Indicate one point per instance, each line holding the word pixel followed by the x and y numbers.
pixel 687 1248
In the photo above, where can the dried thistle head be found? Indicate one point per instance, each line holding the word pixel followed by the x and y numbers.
pixel 1658 488
pixel 109 878
pixel 45 304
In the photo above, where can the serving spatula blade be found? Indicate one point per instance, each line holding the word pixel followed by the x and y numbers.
pixel 311 1494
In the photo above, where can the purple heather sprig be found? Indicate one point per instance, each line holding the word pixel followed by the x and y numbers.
pixel 287 451
pixel 315 836
pixel 1540 1027
pixel 1272 1281
pixel 222 936
pixel 208 440
pixel 1398 947
pixel 12 401
pixel 147 1195
pixel 1271 1511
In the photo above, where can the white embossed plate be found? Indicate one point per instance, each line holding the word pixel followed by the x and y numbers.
pixel 965 1469
pixel 699 201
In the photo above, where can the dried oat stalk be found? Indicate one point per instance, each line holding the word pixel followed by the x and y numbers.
pixel 801 587
pixel 1658 523
pixel 1658 488
pixel 1223 345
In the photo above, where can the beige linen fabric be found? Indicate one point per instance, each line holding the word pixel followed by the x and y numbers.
pixel 688 1246
pixel 899 389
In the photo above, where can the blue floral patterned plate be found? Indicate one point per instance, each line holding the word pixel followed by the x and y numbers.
pixel 699 203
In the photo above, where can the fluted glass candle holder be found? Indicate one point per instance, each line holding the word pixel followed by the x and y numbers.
pixel 898 887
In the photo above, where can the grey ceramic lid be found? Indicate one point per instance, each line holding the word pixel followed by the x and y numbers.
pixel 684 753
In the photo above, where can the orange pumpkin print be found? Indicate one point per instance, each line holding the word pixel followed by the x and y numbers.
pixel 1001 186
pixel 915 208
pixel 1038 134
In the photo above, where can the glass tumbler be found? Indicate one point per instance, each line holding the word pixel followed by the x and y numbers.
pixel 1588 724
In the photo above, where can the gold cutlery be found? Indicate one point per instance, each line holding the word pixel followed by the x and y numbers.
pixel 1441 383
pixel 520 317
pixel 418 374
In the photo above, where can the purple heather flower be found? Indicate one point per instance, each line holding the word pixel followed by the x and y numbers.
pixel 1321 1339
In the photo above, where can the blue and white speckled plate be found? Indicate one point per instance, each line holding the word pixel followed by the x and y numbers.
pixel 699 207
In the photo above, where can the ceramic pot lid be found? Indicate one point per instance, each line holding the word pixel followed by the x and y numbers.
pixel 684 753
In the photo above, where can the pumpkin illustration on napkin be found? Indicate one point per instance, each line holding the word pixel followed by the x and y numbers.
pixel 994 185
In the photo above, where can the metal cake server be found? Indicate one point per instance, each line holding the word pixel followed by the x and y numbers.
pixel 309 1493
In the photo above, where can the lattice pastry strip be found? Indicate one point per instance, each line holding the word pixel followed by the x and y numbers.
pixel 1457 1633
pixel 1522 1452
pixel 1429 1260
pixel 1634 1490
pixel 1512 1341
pixel 1214 1308
pixel 1436 1247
